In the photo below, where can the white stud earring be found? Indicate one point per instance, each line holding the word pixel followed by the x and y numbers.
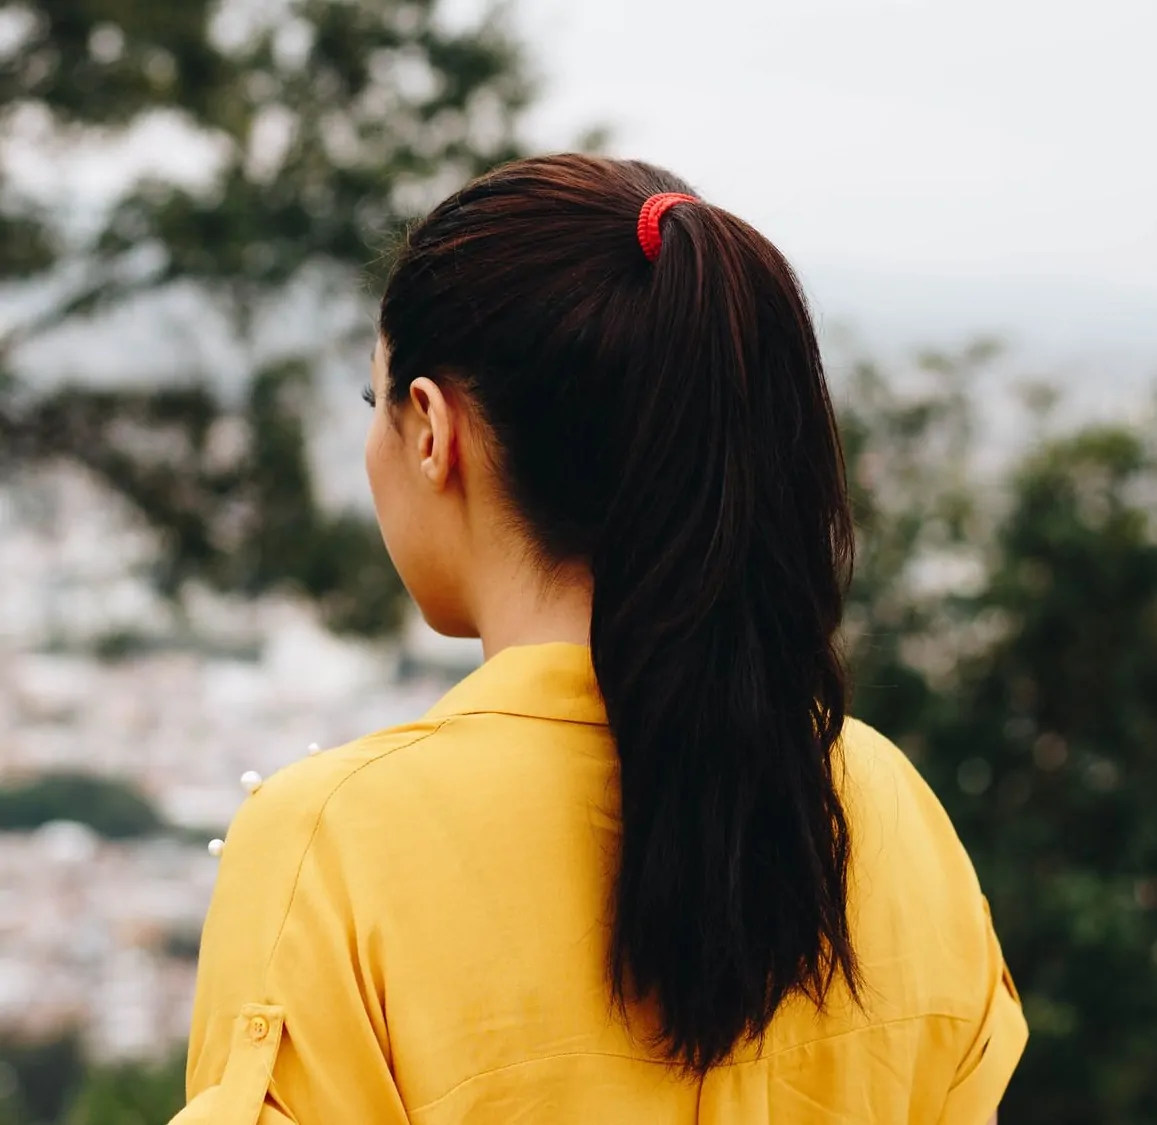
pixel 251 780
pixel 216 847
pixel 313 749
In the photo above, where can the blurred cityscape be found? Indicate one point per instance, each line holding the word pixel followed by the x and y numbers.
pixel 100 934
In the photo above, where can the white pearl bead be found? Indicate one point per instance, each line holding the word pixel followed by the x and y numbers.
pixel 314 748
pixel 216 847
pixel 251 780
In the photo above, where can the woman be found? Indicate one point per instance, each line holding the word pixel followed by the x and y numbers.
pixel 639 867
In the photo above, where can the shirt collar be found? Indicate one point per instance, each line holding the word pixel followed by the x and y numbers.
pixel 549 681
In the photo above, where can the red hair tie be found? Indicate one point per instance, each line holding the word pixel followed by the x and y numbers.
pixel 650 237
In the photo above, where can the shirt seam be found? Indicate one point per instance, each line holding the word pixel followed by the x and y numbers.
pixel 425 1106
pixel 313 835
pixel 446 717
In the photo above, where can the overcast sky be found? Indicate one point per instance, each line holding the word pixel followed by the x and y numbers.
pixel 935 169
pixel 932 166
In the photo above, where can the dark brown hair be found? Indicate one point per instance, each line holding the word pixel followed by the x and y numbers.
pixel 670 425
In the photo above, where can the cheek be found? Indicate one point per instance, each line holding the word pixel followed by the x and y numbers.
pixel 415 528
pixel 398 500
pixel 384 470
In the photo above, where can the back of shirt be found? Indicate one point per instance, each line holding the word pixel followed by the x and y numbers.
pixel 415 928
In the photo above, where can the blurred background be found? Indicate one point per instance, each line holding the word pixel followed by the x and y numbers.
pixel 197 203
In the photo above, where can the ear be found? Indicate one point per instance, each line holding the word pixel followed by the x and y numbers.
pixel 437 431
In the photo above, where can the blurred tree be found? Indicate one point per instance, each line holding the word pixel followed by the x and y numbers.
pixel 183 944
pixel 921 524
pixel 1049 750
pixel 50 1083
pixel 38 1079
pixel 325 125
pixel 110 808
pixel 1004 629
pixel 129 1094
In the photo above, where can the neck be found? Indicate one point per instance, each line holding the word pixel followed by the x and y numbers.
pixel 522 606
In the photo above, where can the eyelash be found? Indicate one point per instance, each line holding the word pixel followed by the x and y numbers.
pixel 368 396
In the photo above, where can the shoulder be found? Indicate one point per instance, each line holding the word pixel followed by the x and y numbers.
pixel 881 783
pixel 297 838
pixel 895 813
pixel 913 881
pixel 283 922
pixel 924 931
pixel 283 816
pixel 865 747
pixel 319 804
pixel 372 796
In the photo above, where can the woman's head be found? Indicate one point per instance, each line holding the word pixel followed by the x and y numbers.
pixel 662 431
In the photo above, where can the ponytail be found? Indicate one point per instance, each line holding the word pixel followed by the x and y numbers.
pixel 717 590
pixel 664 417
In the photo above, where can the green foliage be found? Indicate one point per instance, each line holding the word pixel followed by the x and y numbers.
pixel 183 944
pixel 110 808
pixel 1064 711
pixel 915 505
pixel 332 122
pixel 1028 697
pixel 50 1083
pixel 38 1079
pixel 130 1094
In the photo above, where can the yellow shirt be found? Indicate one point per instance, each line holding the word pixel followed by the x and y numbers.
pixel 413 928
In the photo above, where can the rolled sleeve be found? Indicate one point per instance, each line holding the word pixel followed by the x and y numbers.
pixel 240 1098
pixel 288 1022
pixel 997 1048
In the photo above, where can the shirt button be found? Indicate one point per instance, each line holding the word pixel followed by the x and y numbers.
pixel 258 1028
